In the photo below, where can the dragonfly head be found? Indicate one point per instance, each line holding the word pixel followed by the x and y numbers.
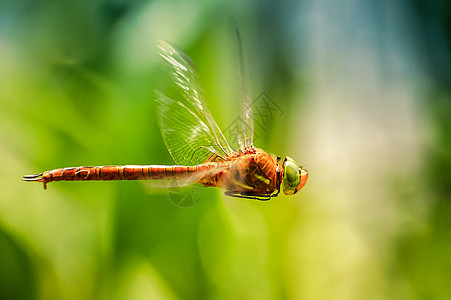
pixel 294 176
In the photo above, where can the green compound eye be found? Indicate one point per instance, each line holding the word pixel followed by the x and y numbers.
pixel 294 177
pixel 291 172
pixel 291 176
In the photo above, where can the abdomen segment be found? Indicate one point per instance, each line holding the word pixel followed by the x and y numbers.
pixel 127 172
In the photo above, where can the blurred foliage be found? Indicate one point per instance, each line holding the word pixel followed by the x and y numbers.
pixel 364 94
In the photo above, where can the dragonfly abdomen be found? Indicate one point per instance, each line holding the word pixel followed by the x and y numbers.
pixel 126 172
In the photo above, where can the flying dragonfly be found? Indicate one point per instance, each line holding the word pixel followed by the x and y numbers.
pixel 198 146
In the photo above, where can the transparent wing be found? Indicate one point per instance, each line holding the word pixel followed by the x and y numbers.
pixel 187 126
pixel 246 136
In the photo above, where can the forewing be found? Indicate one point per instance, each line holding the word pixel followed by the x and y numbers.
pixel 246 135
pixel 187 126
pixel 247 125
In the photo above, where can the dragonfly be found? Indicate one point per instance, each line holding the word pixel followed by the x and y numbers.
pixel 199 148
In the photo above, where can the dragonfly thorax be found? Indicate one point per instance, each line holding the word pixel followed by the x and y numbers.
pixel 252 172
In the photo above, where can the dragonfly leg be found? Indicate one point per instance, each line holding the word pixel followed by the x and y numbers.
pixel 249 196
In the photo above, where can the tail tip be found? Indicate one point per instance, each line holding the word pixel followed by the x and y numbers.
pixel 35 177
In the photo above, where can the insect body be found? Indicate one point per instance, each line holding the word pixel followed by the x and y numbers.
pixel 198 147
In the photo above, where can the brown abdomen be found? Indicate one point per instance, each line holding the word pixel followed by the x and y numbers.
pixel 127 172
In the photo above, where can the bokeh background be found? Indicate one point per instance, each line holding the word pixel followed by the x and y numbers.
pixel 364 88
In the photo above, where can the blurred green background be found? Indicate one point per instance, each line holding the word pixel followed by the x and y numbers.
pixel 364 88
